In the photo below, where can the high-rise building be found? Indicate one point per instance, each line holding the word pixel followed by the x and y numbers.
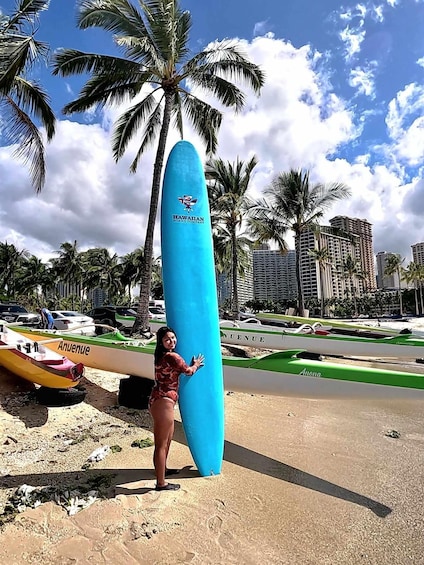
pixel 385 281
pixel 363 251
pixel 244 286
pixel 326 277
pixel 418 253
pixel 274 274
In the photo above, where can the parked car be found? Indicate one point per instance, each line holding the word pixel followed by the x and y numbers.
pixel 70 320
pixel 18 314
pixel 157 312
pixel 121 317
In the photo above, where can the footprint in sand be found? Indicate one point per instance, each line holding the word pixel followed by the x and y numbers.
pixel 257 499
pixel 215 524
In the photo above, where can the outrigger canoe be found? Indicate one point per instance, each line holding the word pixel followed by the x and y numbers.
pixel 284 373
pixel 31 360
pixel 322 339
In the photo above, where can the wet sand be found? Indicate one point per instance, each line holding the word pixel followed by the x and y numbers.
pixel 303 482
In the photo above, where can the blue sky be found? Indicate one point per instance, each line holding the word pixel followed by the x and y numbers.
pixel 344 97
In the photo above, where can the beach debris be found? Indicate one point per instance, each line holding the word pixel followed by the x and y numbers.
pixel 9 439
pixel 98 454
pixel 141 443
pixel 115 448
pixel 393 433
pixel 27 496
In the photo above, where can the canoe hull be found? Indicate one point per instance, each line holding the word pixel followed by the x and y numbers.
pixel 37 364
pixel 279 374
pixel 268 337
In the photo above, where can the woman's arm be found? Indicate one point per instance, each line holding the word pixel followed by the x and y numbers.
pixel 178 363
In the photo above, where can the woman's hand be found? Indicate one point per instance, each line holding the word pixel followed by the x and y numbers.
pixel 198 361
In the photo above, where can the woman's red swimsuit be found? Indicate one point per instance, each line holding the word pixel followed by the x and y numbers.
pixel 167 374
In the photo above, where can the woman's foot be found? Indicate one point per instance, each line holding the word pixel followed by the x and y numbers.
pixel 168 486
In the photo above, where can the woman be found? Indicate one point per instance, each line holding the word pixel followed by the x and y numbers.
pixel 168 368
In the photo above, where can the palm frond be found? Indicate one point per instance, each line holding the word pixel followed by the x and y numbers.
pixel 227 93
pixel 72 61
pixel 177 114
pixel 226 58
pixel 129 121
pixel 118 16
pixel 34 100
pixel 26 12
pixel 151 130
pixel 100 91
pixel 205 119
pixel 22 130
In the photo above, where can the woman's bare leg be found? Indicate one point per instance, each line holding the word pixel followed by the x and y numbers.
pixel 162 411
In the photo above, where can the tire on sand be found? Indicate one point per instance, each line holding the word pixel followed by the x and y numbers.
pixel 134 392
pixel 59 396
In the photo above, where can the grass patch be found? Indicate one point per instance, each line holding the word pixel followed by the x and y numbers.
pixel 141 443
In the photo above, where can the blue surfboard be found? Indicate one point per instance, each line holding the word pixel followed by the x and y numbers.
pixel 188 273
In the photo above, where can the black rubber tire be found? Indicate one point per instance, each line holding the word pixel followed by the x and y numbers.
pixel 134 392
pixel 59 396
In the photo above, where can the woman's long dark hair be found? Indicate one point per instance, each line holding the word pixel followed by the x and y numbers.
pixel 160 349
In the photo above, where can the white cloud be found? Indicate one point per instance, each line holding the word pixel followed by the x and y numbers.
pixel 352 39
pixel 405 124
pixel 420 62
pixel 298 121
pixel 261 28
pixel 363 81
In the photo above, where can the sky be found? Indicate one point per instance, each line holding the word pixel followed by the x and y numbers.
pixel 343 98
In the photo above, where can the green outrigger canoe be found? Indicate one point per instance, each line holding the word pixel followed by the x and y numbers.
pixel 283 373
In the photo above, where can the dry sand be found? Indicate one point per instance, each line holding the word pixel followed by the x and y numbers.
pixel 303 482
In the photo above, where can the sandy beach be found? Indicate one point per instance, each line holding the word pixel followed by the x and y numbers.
pixel 303 482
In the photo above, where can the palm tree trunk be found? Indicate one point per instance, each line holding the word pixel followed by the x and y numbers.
pixel 142 318
pixel 321 284
pixel 421 298
pixel 234 276
pixel 417 308
pixel 400 294
pixel 300 301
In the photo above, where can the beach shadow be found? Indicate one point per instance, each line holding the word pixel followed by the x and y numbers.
pixel 233 453
pixel 255 461
pixel 267 466
pixel 17 398
pixel 113 481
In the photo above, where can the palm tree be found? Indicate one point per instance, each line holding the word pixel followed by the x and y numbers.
pixel 394 266
pixel 104 270
pixel 131 270
pixel 158 66
pixel 291 202
pixel 323 258
pixel 228 184
pixel 11 261
pixel 69 266
pixel 350 269
pixel 414 274
pixel 21 98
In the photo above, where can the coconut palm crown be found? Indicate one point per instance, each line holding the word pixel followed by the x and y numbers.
pixel 156 63
pixel 20 98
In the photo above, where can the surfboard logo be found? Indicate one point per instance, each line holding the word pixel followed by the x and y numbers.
pixel 188 202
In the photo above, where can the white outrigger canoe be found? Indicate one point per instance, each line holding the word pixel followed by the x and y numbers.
pixel 284 373
pixel 323 339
